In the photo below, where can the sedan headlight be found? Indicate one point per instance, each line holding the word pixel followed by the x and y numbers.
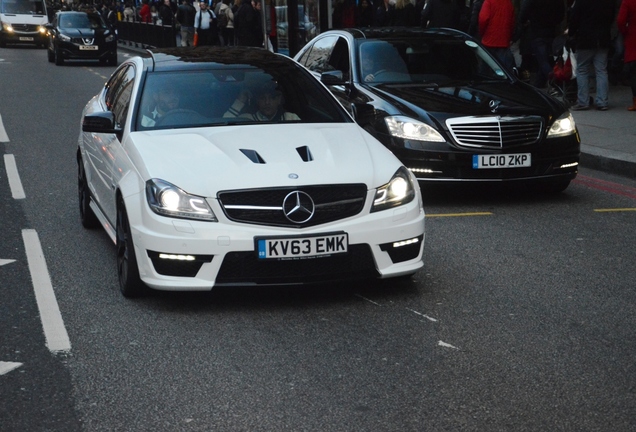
pixel 398 191
pixel 168 200
pixel 562 126
pixel 408 128
pixel 64 37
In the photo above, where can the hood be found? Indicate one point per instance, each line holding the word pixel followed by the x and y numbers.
pixel 465 99
pixel 83 32
pixel 204 161
pixel 25 19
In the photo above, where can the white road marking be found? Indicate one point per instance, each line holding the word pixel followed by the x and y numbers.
pixel 6 367
pixel 15 184
pixel 54 331
pixel 370 301
pixel 446 345
pixel 5 261
pixel 421 314
pixel 3 133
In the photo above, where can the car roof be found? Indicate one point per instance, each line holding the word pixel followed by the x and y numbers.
pixel 213 57
pixel 400 32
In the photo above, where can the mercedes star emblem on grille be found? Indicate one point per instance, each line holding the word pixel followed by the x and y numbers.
pixel 298 207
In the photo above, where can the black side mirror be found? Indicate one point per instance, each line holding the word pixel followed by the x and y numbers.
pixel 332 78
pixel 101 122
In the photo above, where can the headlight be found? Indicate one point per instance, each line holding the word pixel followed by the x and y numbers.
pixel 168 200
pixel 64 37
pixel 563 126
pixel 42 29
pixel 407 128
pixel 398 191
pixel 7 27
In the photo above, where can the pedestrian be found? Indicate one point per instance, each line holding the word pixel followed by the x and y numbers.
pixel 441 13
pixel 248 27
pixel 404 14
pixel 364 15
pixel 383 16
pixel 185 17
pixel 129 12
pixel 473 24
pixel 225 19
pixel 496 25
pixel 589 31
pixel 145 14
pixel 626 22
pixel 541 20
pixel 165 13
pixel 204 25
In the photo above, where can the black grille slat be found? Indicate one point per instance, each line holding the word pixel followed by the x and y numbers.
pixel 495 132
pixel 264 206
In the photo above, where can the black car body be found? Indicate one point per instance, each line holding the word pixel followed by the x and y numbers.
pixel 81 36
pixel 445 107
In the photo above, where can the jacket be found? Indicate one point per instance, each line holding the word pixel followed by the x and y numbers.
pixel 496 23
pixel 590 23
pixel 542 16
pixel 626 22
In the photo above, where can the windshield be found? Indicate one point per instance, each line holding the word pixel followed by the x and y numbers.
pixel 234 95
pixel 432 60
pixel 19 7
pixel 78 20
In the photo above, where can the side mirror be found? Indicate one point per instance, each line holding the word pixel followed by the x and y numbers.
pixel 332 78
pixel 100 122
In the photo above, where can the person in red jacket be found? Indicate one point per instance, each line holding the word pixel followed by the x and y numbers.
pixel 144 12
pixel 496 24
pixel 626 21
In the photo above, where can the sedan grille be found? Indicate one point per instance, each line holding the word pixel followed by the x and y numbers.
pixel 267 206
pixel 495 132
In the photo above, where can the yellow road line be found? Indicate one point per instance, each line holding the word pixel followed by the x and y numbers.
pixel 615 210
pixel 458 214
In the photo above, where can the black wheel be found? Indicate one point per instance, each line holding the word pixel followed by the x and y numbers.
pixel 556 187
pixel 88 218
pixel 130 283
pixel 112 60
pixel 50 55
pixel 59 60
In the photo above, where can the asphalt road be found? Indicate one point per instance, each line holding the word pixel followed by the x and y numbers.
pixel 523 318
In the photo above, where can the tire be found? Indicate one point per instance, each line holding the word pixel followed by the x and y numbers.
pixel 112 60
pixel 50 56
pixel 87 216
pixel 130 283
pixel 556 187
pixel 59 60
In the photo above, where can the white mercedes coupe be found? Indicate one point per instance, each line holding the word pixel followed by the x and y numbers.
pixel 234 166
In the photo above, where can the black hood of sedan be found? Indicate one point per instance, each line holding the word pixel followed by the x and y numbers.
pixel 85 32
pixel 466 99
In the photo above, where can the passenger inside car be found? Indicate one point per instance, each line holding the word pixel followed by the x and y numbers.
pixel 380 62
pixel 263 101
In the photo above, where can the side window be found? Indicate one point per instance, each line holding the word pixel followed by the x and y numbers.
pixel 317 60
pixel 119 92
pixel 122 96
pixel 339 59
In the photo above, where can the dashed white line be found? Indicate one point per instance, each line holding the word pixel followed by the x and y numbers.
pixel 15 184
pixel 54 331
pixel 421 314
pixel 446 345
pixel 6 367
pixel 3 133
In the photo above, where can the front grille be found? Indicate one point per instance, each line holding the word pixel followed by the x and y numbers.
pixel 265 206
pixel 495 132
pixel 246 268
pixel 26 27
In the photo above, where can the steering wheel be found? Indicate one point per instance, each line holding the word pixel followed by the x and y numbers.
pixel 178 116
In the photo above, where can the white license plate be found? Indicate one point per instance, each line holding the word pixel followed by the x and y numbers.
pixel 517 160
pixel 88 47
pixel 302 247
pixel 26 39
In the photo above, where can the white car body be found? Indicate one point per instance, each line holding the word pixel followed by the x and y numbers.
pixel 204 161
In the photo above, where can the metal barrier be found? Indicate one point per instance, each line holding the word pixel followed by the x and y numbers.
pixel 146 35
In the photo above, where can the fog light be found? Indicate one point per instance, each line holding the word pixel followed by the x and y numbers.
pixel 570 165
pixel 177 257
pixel 406 242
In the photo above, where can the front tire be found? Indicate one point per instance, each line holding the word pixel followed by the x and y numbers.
pixel 59 60
pixel 130 283
pixel 50 55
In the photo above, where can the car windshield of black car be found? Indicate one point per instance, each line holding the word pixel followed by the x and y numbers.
pixel 428 60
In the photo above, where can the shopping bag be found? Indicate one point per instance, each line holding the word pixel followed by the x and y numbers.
pixel 195 41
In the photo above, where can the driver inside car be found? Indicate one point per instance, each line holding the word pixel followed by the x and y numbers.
pixel 269 105
pixel 164 100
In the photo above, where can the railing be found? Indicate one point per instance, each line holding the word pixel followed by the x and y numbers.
pixel 146 35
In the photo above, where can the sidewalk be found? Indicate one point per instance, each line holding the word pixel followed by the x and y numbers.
pixel 608 138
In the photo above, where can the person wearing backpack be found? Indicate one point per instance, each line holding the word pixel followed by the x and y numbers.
pixel 205 25
pixel 225 21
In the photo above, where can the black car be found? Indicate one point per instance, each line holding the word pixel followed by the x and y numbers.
pixel 81 36
pixel 445 107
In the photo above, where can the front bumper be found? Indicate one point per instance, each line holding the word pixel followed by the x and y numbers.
pixel 74 51
pixel 225 253
pixel 23 37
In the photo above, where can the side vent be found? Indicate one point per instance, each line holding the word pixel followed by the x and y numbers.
pixel 253 156
pixel 304 153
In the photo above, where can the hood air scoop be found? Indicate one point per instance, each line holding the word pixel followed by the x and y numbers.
pixel 253 156
pixel 304 153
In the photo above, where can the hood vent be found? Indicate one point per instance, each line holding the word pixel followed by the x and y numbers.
pixel 304 153
pixel 253 156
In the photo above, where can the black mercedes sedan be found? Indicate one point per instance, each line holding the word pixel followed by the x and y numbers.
pixel 445 107
pixel 81 36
